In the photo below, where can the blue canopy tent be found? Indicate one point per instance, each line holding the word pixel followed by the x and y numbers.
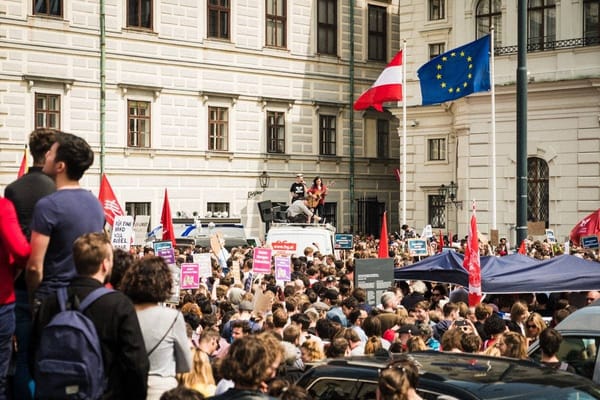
pixel 515 273
pixel 557 274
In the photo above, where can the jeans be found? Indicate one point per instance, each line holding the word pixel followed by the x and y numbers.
pixel 7 329
pixel 23 386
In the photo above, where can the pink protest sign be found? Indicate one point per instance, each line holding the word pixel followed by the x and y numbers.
pixel 262 261
pixel 190 276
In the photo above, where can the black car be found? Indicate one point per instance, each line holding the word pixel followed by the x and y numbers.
pixel 450 376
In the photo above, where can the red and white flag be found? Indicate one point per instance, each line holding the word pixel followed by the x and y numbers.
pixel 23 167
pixel 387 87
pixel 167 222
pixel 107 197
pixel 472 262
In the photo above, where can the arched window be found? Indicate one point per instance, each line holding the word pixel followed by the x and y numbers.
pixel 538 191
pixel 541 24
pixel 488 13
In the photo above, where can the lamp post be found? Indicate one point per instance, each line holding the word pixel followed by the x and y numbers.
pixel 263 180
pixel 449 194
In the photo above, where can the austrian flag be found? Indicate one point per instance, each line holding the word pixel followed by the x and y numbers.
pixel 387 87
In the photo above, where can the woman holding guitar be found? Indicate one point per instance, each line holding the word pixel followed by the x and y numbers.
pixel 316 196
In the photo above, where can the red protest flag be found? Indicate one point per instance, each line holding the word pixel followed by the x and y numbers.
pixel 441 247
pixel 523 248
pixel 589 226
pixel 23 167
pixel 107 197
pixel 166 221
pixel 384 251
pixel 472 262
pixel 387 87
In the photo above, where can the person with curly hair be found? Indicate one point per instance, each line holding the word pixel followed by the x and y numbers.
pixel 251 362
pixel 148 283
pixel 513 344
pixel 311 351
pixel 398 381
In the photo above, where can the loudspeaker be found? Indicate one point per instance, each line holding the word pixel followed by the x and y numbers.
pixel 265 208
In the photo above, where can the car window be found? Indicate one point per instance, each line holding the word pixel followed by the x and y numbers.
pixel 335 389
pixel 580 352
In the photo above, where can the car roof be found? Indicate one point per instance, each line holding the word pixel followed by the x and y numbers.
pixel 466 375
pixel 584 320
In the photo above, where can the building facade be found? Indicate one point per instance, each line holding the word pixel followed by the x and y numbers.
pixel 200 97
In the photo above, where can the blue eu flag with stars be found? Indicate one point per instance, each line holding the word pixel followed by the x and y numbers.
pixel 456 73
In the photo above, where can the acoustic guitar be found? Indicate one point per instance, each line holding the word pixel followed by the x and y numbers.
pixel 313 198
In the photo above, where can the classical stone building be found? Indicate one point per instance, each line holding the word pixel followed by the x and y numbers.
pixel 201 97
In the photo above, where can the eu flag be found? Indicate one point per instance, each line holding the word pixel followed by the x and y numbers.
pixel 456 73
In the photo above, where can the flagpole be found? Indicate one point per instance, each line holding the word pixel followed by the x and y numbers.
pixel 493 87
pixel 404 132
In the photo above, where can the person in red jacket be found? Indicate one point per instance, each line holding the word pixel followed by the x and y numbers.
pixel 14 251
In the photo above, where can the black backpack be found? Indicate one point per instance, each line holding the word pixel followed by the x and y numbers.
pixel 69 364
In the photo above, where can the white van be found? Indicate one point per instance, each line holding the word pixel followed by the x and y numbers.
pixel 294 238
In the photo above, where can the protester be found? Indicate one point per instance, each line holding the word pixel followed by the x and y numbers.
pixel 61 217
pixel 550 340
pixel 123 351
pixel 148 283
pixel 513 344
pixel 398 381
pixel 14 251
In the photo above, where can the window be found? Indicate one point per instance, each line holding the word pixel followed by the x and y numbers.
pixel 220 210
pixel 435 49
pixel 436 149
pixel 329 213
pixel 276 23
pixel 437 10
pixel 218 19
pixel 591 22
pixel 377 33
pixel 383 138
pixel 275 132
pixel 538 193
pixel 217 128
pixel 136 208
pixel 437 211
pixel 327 135
pixel 138 134
pixel 52 8
pixel 47 111
pixel 139 14
pixel 488 14
pixel 541 24
pixel 327 27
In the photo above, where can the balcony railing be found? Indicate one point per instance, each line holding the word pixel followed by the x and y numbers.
pixel 550 45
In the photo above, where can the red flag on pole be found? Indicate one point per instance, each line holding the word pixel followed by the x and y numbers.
pixel 523 248
pixel 441 246
pixel 23 167
pixel 588 226
pixel 167 222
pixel 107 197
pixel 472 262
pixel 387 87
pixel 384 251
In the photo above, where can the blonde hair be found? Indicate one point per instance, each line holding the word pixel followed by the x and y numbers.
pixel 516 345
pixel 201 372
pixel 372 345
pixel 313 350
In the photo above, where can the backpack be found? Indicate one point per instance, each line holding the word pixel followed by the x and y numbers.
pixel 69 364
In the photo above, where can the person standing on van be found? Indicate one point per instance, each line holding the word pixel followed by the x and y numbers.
pixel 298 189
pixel 318 191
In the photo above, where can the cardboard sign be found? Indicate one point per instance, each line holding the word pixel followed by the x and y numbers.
pixel 494 237
pixel 283 269
pixel 140 229
pixel 417 247
pixel 122 232
pixel 165 250
pixel 344 241
pixel 204 264
pixel 263 302
pixel 176 274
pixel 261 261
pixel 536 228
pixel 550 236
pixel 190 276
pixel 589 242
pixel 427 232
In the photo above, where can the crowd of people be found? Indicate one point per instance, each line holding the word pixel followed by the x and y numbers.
pixel 215 341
